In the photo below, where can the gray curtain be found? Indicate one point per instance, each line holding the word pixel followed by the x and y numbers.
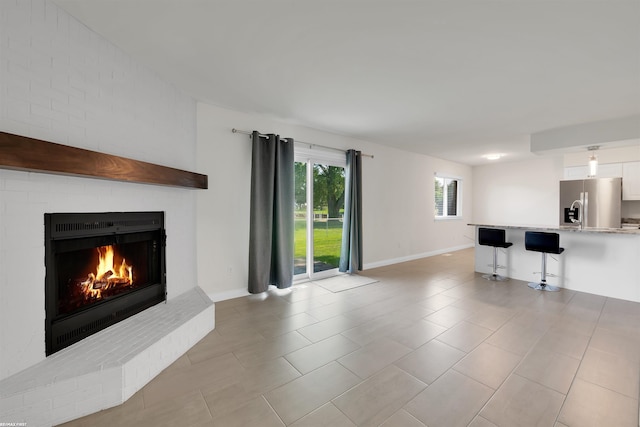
pixel 271 215
pixel 351 249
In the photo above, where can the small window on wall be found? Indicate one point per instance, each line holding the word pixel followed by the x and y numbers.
pixel 448 199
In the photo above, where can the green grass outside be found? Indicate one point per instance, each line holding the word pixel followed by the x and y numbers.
pixel 327 238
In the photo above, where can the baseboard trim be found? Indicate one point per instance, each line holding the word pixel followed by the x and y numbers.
pixel 237 293
pixel 230 294
pixel 414 257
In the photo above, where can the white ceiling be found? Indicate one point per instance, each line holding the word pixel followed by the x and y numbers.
pixel 453 79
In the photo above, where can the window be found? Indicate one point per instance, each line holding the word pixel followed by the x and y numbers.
pixel 447 197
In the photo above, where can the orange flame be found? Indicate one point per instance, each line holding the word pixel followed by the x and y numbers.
pixel 107 275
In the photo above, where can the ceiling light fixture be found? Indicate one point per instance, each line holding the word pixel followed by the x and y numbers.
pixel 593 161
pixel 493 156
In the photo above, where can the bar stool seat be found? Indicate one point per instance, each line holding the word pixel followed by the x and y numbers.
pixel 494 237
pixel 545 243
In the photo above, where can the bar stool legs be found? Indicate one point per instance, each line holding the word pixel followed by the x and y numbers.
pixel 494 237
pixel 545 243
pixel 494 276
pixel 542 285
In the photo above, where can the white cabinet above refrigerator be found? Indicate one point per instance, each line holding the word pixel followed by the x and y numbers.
pixel 607 170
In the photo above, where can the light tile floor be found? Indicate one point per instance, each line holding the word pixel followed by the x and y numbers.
pixel 430 344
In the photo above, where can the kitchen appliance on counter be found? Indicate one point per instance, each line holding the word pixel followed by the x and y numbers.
pixel 591 203
pixel 631 223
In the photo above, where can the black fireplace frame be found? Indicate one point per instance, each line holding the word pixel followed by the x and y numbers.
pixel 62 330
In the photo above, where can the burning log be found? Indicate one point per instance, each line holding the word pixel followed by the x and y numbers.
pixel 107 276
pixel 99 284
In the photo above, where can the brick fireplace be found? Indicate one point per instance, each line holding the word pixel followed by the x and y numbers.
pixel 108 326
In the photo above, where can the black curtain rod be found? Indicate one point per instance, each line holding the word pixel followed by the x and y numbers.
pixel 234 130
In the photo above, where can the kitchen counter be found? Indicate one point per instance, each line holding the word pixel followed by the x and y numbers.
pixel 624 230
pixel 598 261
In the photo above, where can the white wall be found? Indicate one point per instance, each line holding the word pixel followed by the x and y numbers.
pixel 398 195
pixel 518 193
pixel 63 83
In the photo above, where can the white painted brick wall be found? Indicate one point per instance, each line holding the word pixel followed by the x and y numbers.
pixel 63 83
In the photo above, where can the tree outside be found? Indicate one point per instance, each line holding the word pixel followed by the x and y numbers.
pixel 300 185
pixel 328 189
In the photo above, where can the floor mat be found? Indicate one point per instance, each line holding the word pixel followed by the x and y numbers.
pixel 344 282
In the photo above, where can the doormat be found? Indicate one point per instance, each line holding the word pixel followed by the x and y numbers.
pixel 344 282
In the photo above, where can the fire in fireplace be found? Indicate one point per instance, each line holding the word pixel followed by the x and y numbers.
pixel 100 269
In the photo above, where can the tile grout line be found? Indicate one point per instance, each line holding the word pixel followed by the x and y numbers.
pixel 564 401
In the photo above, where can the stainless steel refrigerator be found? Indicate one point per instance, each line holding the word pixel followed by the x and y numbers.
pixel 591 203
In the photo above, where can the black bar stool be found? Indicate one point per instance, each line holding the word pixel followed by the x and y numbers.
pixel 496 238
pixel 547 243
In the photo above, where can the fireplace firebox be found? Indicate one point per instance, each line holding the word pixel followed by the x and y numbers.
pixel 100 269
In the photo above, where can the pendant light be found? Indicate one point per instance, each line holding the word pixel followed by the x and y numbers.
pixel 593 161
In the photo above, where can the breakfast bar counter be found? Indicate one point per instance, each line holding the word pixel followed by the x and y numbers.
pixel 598 261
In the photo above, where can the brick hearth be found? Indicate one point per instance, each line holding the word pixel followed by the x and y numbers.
pixel 107 368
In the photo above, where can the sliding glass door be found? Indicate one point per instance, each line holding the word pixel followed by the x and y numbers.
pixel 328 208
pixel 319 187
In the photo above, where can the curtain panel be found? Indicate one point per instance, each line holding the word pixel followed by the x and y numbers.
pixel 351 248
pixel 271 213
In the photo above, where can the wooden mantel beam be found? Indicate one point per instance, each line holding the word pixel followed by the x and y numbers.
pixel 35 155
